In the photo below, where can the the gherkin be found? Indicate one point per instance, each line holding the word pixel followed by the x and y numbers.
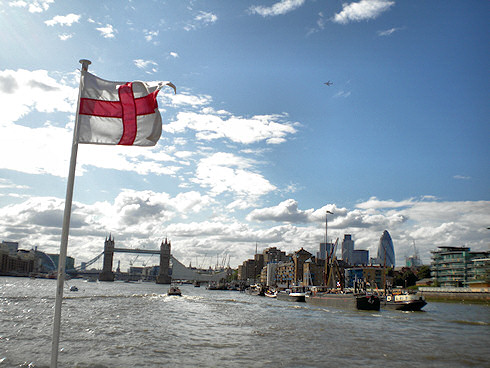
pixel 386 252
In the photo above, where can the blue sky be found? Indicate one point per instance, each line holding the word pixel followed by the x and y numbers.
pixel 255 147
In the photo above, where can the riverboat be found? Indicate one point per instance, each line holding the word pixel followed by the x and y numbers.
pixel 403 302
pixel 344 300
pixel 255 289
pixel 214 286
pixel 271 293
pixel 174 290
pixel 295 294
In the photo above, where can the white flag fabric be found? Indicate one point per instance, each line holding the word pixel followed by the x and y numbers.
pixel 119 112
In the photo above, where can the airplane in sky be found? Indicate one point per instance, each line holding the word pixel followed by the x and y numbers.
pixel 328 83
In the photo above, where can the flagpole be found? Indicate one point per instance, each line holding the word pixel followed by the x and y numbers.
pixel 66 229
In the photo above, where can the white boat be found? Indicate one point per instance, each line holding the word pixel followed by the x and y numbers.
pixel 295 294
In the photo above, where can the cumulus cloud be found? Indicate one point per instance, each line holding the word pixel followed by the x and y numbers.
pixel 144 218
pixel 46 146
pixel 63 20
pixel 211 126
pixel 34 6
pixel 280 8
pixel 225 172
pixel 133 217
pixel 46 94
pixel 362 10
pixel 427 221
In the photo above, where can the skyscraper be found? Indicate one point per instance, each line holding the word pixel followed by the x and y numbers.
pixel 386 252
pixel 347 248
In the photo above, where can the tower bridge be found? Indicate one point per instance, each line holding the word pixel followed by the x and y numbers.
pixel 166 273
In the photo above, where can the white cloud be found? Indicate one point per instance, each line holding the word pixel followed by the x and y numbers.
pixel 362 10
pixel 18 4
pixel 279 8
pixel 206 17
pixel 63 20
pixel 8 184
pixel 225 172
pixel 34 6
pixel 143 218
pixel 107 32
pixel 184 98
pixel 461 177
pixel 201 19
pixel 22 91
pixel 174 55
pixel 149 65
pixel 342 93
pixel 428 222
pixel 266 128
pixel 286 211
pixel 150 35
pixel 65 36
pixel 388 32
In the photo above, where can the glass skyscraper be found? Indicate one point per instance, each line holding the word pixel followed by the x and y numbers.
pixel 386 252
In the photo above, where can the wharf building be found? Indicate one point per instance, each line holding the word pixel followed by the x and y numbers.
pixel 459 267
pixel 251 270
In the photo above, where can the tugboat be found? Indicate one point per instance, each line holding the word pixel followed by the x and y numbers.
pixel 404 302
pixel 174 290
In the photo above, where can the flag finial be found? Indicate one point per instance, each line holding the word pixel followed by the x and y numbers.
pixel 85 63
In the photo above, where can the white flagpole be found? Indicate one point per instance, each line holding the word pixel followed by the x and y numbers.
pixel 66 229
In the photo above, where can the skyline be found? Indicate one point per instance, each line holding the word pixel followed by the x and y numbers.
pixel 255 146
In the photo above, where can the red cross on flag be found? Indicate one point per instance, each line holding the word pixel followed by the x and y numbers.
pixel 118 112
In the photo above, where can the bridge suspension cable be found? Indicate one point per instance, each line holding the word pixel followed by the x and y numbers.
pixel 91 262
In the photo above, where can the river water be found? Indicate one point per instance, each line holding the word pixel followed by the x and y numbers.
pixel 136 325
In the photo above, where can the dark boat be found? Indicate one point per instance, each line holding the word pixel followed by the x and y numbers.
pixel 345 301
pixel 403 302
pixel 174 290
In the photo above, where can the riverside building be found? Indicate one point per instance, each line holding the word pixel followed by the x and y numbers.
pixel 459 267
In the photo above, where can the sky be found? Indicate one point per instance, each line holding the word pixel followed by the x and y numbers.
pixel 255 147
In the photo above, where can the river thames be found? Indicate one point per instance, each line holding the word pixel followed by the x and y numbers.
pixel 137 325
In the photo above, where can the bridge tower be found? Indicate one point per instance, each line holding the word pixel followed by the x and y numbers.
pixel 107 274
pixel 163 275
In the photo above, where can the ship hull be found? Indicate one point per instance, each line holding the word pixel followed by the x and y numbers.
pixel 291 297
pixel 345 301
pixel 409 306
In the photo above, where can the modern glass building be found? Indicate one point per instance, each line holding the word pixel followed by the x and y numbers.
pixel 458 267
pixel 386 252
